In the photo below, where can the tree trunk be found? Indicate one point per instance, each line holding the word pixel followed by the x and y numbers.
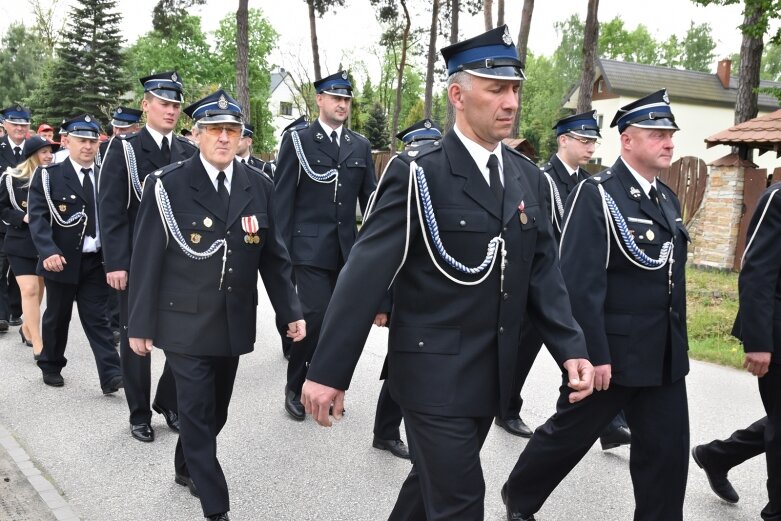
pixel 488 14
pixel 432 58
pixel 454 12
pixel 748 79
pixel 523 42
pixel 242 58
pixel 313 35
pixel 590 39
pixel 400 77
pixel 499 13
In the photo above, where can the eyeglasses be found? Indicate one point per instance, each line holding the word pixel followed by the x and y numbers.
pixel 217 130
pixel 584 140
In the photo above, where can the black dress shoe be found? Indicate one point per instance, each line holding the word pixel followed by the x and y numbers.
pixel 395 447
pixel 171 417
pixel 24 338
pixel 115 384
pixel 53 379
pixel 3 326
pixel 616 438
pixel 718 480
pixel 511 515
pixel 515 426
pixel 219 517
pixel 142 432
pixel 14 321
pixel 294 407
pixel 186 481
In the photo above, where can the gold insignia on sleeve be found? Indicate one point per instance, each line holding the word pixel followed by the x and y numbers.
pixel 195 238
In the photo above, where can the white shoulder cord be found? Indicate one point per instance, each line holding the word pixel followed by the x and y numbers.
pixel 9 186
pixel 556 208
pixel 759 223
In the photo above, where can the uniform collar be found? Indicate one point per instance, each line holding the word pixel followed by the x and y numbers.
pixel 570 171
pixel 480 155
pixel 328 130
pixel 642 181
pixel 158 137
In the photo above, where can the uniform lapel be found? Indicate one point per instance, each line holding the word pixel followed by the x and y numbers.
pixel 563 174
pixel 240 196
pixel 178 152
pixel 7 151
pixel 345 146
pixel 151 149
pixel 323 142
pixel 513 188
pixel 635 193
pixel 204 192
pixel 72 179
pixel 462 165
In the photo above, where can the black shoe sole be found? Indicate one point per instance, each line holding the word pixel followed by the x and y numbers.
pixel 61 383
pixel 142 439
pixel 295 416
pixel 180 480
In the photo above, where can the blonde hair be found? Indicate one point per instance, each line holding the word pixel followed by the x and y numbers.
pixel 25 169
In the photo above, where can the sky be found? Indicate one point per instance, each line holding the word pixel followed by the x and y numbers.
pixel 350 35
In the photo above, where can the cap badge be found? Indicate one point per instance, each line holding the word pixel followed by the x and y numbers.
pixel 222 103
pixel 635 192
pixel 119 110
pixel 174 77
pixel 19 108
pixel 427 124
pixel 344 75
pixel 87 119
pixel 666 98
pixel 506 38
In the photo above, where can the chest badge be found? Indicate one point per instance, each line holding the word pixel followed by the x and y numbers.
pixel 522 211
pixel 62 208
pixel 24 204
pixel 207 222
pixel 249 224
pixel 650 235
pixel 635 192
pixel 195 238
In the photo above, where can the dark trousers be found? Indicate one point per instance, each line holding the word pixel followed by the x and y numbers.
pixel 314 287
pixel 204 386
pixel 659 458
pixel 91 295
pixel 113 310
pixel 770 391
pixel 743 444
pixel 387 418
pixel 446 480
pixel 136 373
pixel 10 298
pixel 530 345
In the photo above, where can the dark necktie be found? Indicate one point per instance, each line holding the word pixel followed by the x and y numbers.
pixel 18 154
pixel 243 161
pixel 574 177
pixel 166 150
pixel 335 142
pixel 222 191
pixel 654 196
pixel 89 195
pixel 494 179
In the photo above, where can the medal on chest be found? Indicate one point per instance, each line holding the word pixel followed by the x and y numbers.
pixel 249 224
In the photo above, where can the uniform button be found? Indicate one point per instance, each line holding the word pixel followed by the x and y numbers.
pixel 501 330
pixel 170 304
pixel 228 232
pixel 194 223
pixel 340 203
pixel 505 228
pixel 230 270
pixel 462 223
pixel 230 252
pixel 230 289
pixel 340 222
pixel 340 185
pixel 505 296
pixel 421 344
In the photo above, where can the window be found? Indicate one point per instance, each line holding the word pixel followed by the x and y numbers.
pixel 595 161
pixel 285 108
pixel 600 119
pixel 601 86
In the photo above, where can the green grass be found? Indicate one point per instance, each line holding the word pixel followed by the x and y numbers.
pixel 712 303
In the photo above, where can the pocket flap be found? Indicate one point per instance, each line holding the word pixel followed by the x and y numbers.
pixel 457 220
pixel 426 340
pixel 356 162
pixel 182 302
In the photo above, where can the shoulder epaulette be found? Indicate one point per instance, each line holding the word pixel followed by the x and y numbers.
pixel 167 169
pixel 413 154
pixel 547 167
pixel 184 141
pixel 359 136
pixel 601 177
pixel 129 137
pixel 261 173
pixel 299 124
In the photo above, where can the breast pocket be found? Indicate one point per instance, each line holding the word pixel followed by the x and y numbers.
pixel 355 162
pixel 463 233
pixel 66 203
pixel 320 162
pixel 199 230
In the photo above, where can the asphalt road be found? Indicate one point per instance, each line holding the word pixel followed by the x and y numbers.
pixel 279 469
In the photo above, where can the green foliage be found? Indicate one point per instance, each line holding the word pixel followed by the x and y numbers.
pixel 262 39
pixel 168 16
pixel 543 93
pixel 376 128
pixel 768 9
pixel 697 53
pixel 87 76
pixel 321 6
pixel 22 60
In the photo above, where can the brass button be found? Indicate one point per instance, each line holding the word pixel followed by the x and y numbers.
pixel 421 344
pixel 462 223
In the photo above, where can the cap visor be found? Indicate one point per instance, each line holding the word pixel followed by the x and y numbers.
pixel 662 123
pixel 588 134
pixel 167 95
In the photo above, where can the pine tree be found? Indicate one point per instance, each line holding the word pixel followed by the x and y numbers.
pixel 87 74
pixel 376 128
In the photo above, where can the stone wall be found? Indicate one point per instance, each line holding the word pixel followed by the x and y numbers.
pixel 719 218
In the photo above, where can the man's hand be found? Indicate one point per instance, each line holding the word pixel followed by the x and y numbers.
pixel 381 320
pixel 580 374
pixel 54 263
pixel 319 399
pixel 117 280
pixel 141 346
pixel 602 375
pixel 757 363
pixel 296 331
